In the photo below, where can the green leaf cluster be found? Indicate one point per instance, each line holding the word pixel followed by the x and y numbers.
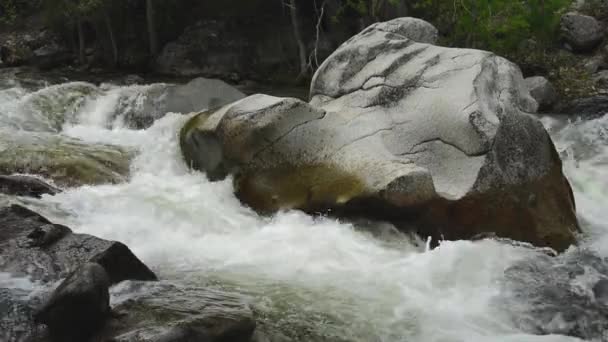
pixel 496 25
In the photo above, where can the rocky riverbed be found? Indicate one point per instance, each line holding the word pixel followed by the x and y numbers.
pixel 416 196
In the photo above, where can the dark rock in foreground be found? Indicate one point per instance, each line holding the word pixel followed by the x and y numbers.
pixel 25 186
pixel 79 306
pixel 30 245
pixel 78 310
pixel 168 313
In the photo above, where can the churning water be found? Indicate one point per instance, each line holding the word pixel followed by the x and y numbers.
pixel 314 278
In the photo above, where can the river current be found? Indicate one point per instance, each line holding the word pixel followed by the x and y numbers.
pixel 315 278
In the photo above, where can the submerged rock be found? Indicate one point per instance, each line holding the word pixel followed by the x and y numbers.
pixel 79 307
pixel 25 186
pixel 397 130
pixel 32 246
pixel 167 313
pixel 68 162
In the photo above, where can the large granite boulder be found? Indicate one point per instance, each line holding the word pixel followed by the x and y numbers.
pixel 438 138
pixel 80 305
pixel 581 32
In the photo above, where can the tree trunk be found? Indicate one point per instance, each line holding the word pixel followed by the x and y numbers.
pixel 108 22
pixel 81 42
pixel 295 22
pixel 152 33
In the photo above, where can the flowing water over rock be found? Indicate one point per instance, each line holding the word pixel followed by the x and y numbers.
pixel 313 278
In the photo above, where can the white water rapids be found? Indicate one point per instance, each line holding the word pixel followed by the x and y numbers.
pixel 307 278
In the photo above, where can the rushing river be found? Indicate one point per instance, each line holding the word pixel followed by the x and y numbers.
pixel 314 278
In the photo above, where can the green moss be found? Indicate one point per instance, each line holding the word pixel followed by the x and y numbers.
pixel 66 162
pixel 303 187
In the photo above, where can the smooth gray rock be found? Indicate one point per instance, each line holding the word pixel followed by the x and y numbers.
pixel 197 95
pixel 415 29
pixel 201 94
pixel 581 32
pixel 437 132
pixel 542 91
pixel 79 307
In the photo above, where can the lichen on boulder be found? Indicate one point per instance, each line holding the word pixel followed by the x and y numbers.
pixel 436 137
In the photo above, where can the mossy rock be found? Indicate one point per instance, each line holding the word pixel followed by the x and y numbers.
pixel 68 162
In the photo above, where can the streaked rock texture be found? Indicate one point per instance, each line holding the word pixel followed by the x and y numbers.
pixel 431 137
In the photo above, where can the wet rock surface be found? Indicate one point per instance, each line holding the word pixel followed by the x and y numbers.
pixel 25 186
pixel 169 313
pixel 33 246
pixel 79 310
pixel 66 161
pixel 79 306
pixel 566 294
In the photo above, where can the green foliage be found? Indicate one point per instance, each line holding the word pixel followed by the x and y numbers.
pixel 8 11
pixel 496 25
